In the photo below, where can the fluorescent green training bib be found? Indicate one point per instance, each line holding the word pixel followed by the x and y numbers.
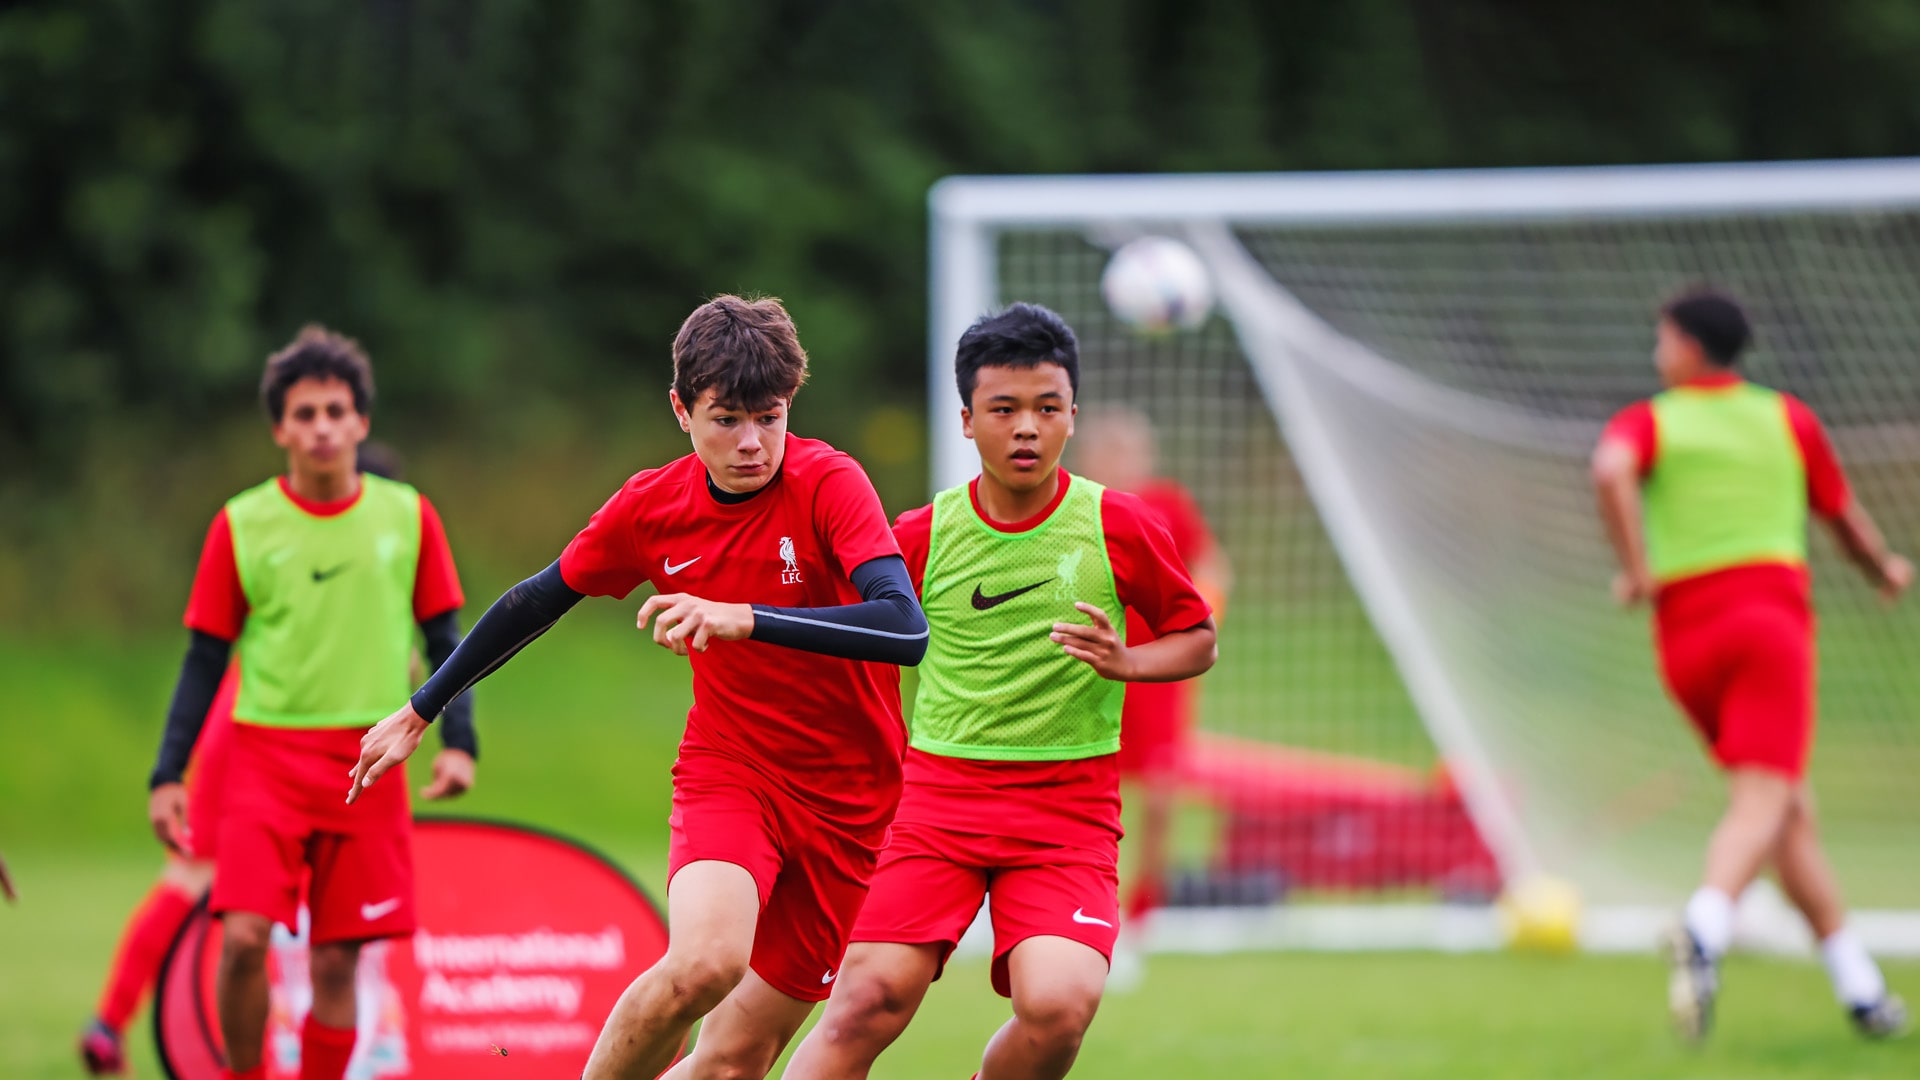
pixel 1729 485
pixel 329 628
pixel 993 685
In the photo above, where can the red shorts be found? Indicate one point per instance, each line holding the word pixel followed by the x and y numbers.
pixel 931 881
pixel 1743 669
pixel 207 776
pixel 1154 727
pixel 812 875
pixel 286 820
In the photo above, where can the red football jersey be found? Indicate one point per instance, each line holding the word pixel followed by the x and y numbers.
pixel 1050 801
pixel 218 605
pixel 828 730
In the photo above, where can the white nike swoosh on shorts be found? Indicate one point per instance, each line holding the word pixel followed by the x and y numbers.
pixel 1080 917
pixel 375 912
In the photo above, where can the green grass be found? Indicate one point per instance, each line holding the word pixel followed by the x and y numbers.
pixel 1291 1015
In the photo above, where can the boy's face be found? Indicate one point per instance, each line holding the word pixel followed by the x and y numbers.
pixel 741 449
pixel 320 429
pixel 1676 356
pixel 1020 421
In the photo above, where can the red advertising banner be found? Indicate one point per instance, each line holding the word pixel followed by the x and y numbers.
pixel 525 942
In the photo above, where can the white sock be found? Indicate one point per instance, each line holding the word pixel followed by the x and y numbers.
pixel 1856 978
pixel 1709 917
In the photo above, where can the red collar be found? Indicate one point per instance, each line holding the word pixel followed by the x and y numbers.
pixel 973 493
pixel 1718 380
pixel 321 509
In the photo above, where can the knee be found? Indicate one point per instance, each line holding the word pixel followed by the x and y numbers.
pixel 333 968
pixel 1058 1019
pixel 866 1011
pixel 244 941
pixel 698 982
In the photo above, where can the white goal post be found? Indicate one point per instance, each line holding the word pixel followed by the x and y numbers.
pixel 1389 423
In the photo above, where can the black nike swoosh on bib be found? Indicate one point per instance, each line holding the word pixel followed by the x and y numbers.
pixel 322 575
pixel 982 602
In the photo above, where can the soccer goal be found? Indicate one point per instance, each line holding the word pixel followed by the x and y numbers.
pixel 1424 688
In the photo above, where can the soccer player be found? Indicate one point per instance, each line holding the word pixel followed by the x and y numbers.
pixel 1013 785
pixel 781 582
pixel 188 869
pixel 317 578
pixel 1117 449
pixel 1705 491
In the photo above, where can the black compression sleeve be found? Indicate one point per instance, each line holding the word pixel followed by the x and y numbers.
pixel 200 674
pixel 456 726
pixel 523 613
pixel 886 627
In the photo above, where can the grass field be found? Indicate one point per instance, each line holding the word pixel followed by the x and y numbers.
pixel 577 736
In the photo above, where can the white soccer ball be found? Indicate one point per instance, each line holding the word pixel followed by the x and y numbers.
pixel 1157 283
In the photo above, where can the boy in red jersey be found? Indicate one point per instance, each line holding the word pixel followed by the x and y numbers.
pixel 188 870
pixel 1117 449
pixel 1705 491
pixel 1012 782
pixel 317 572
pixel 796 607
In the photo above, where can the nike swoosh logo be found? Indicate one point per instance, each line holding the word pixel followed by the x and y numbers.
pixel 322 575
pixel 827 978
pixel 1080 916
pixel 672 569
pixel 373 912
pixel 983 603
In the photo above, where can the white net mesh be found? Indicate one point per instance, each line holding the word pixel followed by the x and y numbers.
pixel 1455 377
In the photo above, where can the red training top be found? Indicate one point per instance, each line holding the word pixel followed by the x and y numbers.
pixel 1828 495
pixel 218 605
pixel 1054 802
pixel 825 729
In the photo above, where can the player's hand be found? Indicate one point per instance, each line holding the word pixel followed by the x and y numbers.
pixel 1632 588
pixel 385 745
pixel 688 623
pixel 452 775
pixel 1896 574
pixel 1099 645
pixel 167 811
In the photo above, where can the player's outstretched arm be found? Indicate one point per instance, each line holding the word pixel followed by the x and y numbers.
pixel 522 614
pixel 1172 657
pixel 1616 487
pixel 885 627
pixel 200 674
pixel 1861 539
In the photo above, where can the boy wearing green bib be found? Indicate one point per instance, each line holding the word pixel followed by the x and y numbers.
pixel 318 578
pixel 1706 491
pixel 1012 780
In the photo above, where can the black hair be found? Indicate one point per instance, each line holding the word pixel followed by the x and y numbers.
pixel 1020 336
pixel 1714 320
pixel 317 353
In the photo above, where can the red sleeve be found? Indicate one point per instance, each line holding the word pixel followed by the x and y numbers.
pixel 1148 572
pixel 1827 490
pixel 914 532
pixel 848 517
pixel 1191 536
pixel 436 584
pixel 1634 426
pixel 604 559
pixel 218 605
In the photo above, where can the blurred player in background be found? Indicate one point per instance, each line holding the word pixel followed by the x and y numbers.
pixel 1116 447
pixel 317 578
pixel 188 872
pixel 1705 491
pixel 797 604
pixel 1012 779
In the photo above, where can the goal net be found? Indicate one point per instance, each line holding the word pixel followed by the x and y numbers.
pixel 1423 685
